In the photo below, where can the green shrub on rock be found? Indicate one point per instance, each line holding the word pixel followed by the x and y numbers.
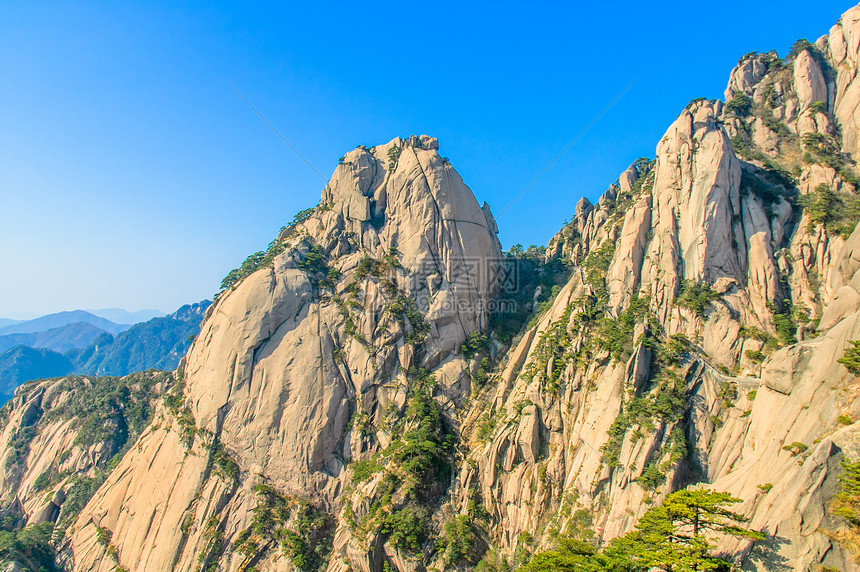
pixel 851 358
pixel 696 296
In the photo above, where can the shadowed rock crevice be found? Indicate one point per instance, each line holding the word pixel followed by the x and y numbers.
pixel 684 330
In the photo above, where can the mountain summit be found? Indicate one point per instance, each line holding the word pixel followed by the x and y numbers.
pixel 384 389
pixel 354 306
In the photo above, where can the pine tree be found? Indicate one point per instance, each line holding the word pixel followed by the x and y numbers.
pixel 677 536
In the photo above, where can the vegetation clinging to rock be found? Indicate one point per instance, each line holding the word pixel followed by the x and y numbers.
pixel 678 535
pixel 418 457
pixel 302 530
pixel 851 357
pixel 696 297
pixel 836 212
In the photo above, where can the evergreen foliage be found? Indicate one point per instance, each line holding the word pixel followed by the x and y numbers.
pixel 527 271
pixel 418 458
pixel 30 547
pixel 315 263
pixel 677 536
pixel 265 259
pixel 302 530
pixel 458 541
pixel 851 357
pixel 837 212
pixel 664 404
pixel 740 104
pixel 846 503
pixel 696 296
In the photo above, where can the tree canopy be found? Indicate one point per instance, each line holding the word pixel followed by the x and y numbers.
pixel 677 536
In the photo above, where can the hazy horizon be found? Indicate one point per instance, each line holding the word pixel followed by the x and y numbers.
pixel 134 177
pixel 102 312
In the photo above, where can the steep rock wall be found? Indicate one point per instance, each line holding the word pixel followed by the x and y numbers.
pixel 289 357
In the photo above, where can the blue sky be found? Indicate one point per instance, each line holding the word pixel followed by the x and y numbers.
pixel 132 176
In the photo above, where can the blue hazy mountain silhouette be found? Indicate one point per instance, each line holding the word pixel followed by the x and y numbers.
pixel 60 319
pixel 62 339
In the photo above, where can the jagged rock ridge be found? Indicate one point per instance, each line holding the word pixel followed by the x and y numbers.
pixel 332 331
pixel 333 412
pixel 737 240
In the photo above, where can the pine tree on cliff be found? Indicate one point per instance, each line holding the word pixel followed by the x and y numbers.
pixel 675 537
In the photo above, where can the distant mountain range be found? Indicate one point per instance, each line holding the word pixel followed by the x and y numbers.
pixel 120 316
pixel 22 363
pixel 61 319
pixel 64 331
pixel 53 345
pixel 62 339
pixel 158 343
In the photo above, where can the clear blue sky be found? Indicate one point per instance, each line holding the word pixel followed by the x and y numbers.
pixel 132 176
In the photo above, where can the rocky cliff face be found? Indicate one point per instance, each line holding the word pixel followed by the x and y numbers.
pixel 61 437
pixel 379 285
pixel 351 402
pixel 697 340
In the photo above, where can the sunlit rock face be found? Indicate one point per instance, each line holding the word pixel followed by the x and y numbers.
pixel 351 390
pixel 293 353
